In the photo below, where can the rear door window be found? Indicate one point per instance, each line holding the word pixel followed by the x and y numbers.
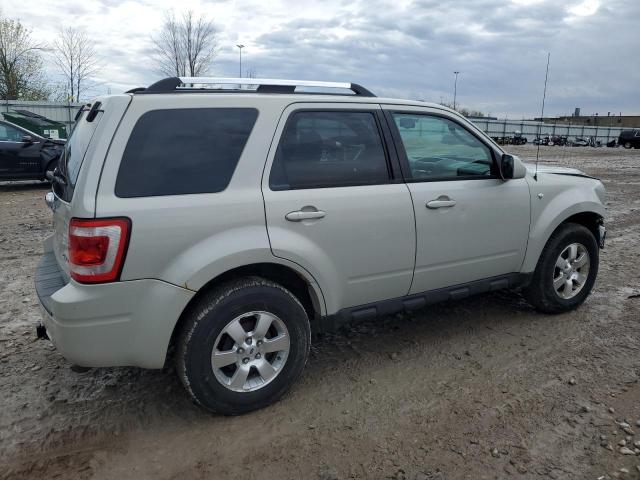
pixel 323 149
pixel 183 151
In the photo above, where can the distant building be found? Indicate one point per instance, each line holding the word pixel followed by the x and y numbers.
pixel 619 121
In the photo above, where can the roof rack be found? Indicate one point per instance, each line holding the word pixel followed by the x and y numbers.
pixel 252 85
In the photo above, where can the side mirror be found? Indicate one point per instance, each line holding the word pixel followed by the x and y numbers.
pixel 506 166
pixel 27 139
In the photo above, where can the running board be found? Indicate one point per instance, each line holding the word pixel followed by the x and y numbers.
pixel 415 301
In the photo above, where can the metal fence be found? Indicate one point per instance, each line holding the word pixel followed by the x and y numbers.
pixel 531 129
pixel 59 111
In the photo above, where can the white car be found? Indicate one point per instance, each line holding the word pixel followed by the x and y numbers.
pixel 229 221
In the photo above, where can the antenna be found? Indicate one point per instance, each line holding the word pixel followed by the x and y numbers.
pixel 544 97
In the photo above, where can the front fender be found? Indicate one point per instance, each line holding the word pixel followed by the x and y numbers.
pixel 555 198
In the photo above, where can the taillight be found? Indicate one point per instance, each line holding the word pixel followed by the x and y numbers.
pixel 97 248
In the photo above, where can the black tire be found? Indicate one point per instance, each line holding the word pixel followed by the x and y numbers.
pixel 50 168
pixel 207 319
pixel 627 145
pixel 540 292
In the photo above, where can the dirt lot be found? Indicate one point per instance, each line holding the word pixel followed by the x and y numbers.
pixel 484 388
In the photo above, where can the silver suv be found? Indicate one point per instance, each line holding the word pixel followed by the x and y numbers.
pixel 224 222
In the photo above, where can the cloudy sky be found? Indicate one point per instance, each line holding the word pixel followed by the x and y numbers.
pixel 399 48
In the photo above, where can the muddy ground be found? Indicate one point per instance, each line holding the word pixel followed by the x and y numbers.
pixel 483 388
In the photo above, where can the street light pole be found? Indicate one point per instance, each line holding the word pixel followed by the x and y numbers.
pixel 455 89
pixel 240 47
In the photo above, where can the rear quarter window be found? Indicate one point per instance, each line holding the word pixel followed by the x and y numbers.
pixel 183 151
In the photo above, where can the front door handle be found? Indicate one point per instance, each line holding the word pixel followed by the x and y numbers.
pixel 441 202
pixel 300 215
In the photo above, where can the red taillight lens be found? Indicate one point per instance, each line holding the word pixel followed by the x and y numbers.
pixel 97 248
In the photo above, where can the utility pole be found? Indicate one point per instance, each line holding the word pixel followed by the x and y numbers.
pixel 240 47
pixel 455 89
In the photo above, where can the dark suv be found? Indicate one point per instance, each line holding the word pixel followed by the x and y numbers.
pixel 629 138
pixel 25 155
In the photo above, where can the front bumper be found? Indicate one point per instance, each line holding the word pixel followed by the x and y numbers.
pixel 113 324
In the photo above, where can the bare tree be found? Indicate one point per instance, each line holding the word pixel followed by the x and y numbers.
pixel 21 71
pixel 185 46
pixel 76 60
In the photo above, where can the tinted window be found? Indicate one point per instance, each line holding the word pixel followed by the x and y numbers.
pixel 73 155
pixel 329 149
pixel 10 134
pixel 438 148
pixel 174 152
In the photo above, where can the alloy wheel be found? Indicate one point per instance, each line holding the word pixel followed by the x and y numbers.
pixel 250 351
pixel 571 271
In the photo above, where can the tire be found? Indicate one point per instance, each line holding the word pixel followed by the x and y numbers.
pixel 248 300
pixel 50 168
pixel 541 293
pixel 627 145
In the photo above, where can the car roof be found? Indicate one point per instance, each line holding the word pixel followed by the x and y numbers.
pixel 310 98
pixel 283 89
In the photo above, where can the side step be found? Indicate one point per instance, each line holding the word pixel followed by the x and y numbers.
pixel 370 311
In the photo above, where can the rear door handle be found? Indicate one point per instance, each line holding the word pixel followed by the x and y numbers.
pixel 441 202
pixel 300 215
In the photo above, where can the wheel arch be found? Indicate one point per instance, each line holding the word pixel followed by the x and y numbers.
pixel 304 289
pixel 588 214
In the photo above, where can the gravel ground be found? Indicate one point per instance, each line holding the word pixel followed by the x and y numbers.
pixel 482 388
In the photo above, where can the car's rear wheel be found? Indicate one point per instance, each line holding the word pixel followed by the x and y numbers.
pixel 566 270
pixel 627 145
pixel 243 345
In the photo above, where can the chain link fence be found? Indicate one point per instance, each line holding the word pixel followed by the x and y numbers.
pixel 532 129
pixel 65 112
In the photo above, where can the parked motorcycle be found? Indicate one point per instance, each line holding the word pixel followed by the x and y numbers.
pixel 559 140
pixel 594 143
pixel 541 141
pixel 518 139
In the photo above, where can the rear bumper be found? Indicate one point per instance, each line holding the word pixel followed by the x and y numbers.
pixel 112 324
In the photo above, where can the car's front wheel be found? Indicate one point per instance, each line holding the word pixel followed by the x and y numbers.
pixel 243 345
pixel 48 173
pixel 627 145
pixel 566 270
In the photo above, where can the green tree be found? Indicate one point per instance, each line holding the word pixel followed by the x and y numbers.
pixel 463 111
pixel 21 67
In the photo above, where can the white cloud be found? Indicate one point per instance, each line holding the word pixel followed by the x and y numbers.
pixel 585 8
pixel 407 49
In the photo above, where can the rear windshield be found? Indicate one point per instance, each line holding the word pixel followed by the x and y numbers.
pixel 73 155
pixel 183 151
